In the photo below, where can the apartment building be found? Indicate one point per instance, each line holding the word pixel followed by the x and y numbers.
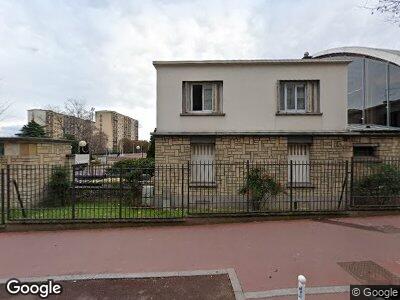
pixel 57 125
pixel 116 126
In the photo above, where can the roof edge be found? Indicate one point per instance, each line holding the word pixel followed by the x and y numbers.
pixel 277 133
pixel 390 56
pixel 33 139
pixel 250 62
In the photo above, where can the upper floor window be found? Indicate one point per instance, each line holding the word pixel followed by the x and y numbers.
pixel 202 97
pixel 298 96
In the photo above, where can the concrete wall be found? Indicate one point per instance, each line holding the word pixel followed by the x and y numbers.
pixel 105 126
pixel 250 97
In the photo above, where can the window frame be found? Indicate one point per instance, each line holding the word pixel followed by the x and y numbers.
pixel 197 178
pixel 216 88
pixel 296 85
pixel 373 148
pixel 203 84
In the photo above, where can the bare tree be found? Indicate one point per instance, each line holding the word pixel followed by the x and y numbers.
pixel 390 8
pixel 129 146
pixel 3 108
pixel 78 109
pixel 75 119
pixel 98 143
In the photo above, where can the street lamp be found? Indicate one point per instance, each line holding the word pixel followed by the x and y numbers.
pixel 82 145
pixel 139 148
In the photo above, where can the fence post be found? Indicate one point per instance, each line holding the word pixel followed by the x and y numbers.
pixel 248 192
pixel 3 216
pixel 182 188
pixel 73 193
pixel 351 181
pixel 188 186
pixel 346 202
pixel 120 193
pixel 8 192
pixel 291 185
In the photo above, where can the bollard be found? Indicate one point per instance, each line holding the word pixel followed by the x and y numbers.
pixel 301 287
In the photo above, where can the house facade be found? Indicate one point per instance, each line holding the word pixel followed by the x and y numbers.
pixel 260 110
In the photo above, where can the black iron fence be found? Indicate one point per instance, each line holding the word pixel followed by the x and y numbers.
pixel 45 193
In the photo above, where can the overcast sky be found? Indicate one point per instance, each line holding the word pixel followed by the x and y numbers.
pixel 101 52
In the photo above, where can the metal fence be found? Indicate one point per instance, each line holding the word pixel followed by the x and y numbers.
pixel 45 193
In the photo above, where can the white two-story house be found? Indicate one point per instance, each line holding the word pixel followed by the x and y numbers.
pixel 231 111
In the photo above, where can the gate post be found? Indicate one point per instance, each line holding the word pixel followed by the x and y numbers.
pixel 73 193
pixel 346 200
pixel 8 192
pixel 3 216
pixel 291 186
pixel 245 184
pixel 182 188
pixel 188 186
pixel 351 182
pixel 120 193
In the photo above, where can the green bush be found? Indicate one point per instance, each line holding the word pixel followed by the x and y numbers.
pixel 381 185
pixel 260 187
pixel 151 151
pixel 132 173
pixel 145 165
pixel 58 186
pixel 132 180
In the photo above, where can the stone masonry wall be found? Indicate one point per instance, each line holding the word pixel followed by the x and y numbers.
pixel 327 180
pixel 172 150
pixel 231 149
pixel 30 174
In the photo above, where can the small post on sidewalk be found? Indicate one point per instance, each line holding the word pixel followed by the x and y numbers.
pixel 301 287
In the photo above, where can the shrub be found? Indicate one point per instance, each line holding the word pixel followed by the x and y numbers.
pixel 381 185
pixel 133 172
pixel 58 186
pixel 145 165
pixel 151 151
pixel 260 187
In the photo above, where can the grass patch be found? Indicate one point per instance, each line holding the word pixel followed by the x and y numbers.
pixel 97 211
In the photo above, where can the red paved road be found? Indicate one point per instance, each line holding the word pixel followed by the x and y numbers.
pixel 266 255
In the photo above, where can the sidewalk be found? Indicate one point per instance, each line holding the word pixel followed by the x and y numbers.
pixel 265 255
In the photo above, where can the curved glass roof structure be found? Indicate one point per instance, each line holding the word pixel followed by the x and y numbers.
pixel 373 84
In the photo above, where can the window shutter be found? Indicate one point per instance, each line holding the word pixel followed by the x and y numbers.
pixel 220 97
pixel 317 107
pixel 185 97
pixel 278 96
pixel 215 97
pixel 310 97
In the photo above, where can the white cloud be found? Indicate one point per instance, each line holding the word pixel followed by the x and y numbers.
pixel 102 51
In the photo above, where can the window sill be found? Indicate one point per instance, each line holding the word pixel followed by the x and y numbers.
pixel 300 185
pixel 203 184
pixel 201 114
pixel 297 114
